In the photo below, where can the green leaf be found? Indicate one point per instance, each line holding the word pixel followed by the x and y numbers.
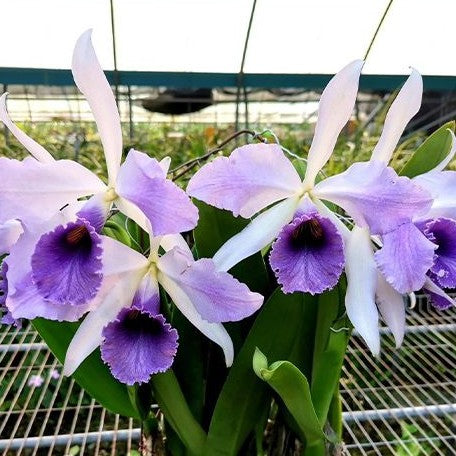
pixel 293 388
pixel 284 329
pixel 189 363
pixel 300 166
pixel 331 339
pixel 335 414
pixel 431 152
pixel 171 401
pixel 93 374
pixel 215 227
pixel 116 231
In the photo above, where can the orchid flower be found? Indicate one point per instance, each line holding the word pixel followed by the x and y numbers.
pixel 120 319
pixel 312 244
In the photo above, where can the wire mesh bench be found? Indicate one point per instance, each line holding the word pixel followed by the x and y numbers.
pixel 403 403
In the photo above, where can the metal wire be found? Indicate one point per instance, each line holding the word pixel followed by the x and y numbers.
pixel 403 403
pixel 56 417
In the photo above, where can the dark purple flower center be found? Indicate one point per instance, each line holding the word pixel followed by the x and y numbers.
pixel 138 321
pixel 67 265
pixel 78 238
pixel 308 234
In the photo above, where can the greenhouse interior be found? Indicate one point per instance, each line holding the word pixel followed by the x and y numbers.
pixel 194 81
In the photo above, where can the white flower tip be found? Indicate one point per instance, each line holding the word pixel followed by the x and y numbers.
pixel 412 298
pixel 357 65
pixel 229 357
pixel 3 111
pixel 86 36
pixel 416 78
pixel 69 367
pixel 82 47
pixel 165 163
pixel 398 341
pixel 373 342
pixel 353 69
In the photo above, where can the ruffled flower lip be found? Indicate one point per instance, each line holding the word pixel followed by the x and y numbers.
pixel 67 264
pixel 308 254
pixel 138 344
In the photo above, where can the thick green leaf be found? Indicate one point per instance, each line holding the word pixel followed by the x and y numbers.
pixel 300 166
pixel 331 339
pixel 429 154
pixel 116 231
pixel 93 374
pixel 172 402
pixel 335 415
pixel 293 388
pixel 190 362
pixel 215 227
pixel 284 329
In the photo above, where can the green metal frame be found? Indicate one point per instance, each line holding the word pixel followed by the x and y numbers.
pixel 52 77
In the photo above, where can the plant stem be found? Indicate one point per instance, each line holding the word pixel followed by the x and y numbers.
pixel 172 402
pixel 317 448
pixel 335 414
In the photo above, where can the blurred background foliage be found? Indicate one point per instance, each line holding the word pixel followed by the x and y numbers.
pixel 182 142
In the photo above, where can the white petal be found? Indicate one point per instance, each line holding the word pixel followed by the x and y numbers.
pixel 169 241
pixel 442 187
pixel 116 293
pixel 258 234
pixel 119 258
pixel 392 308
pixel 92 82
pixel 133 212
pixel 252 178
pixel 214 331
pixel 164 163
pixel 34 190
pixel 361 274
pixel 404 107
pixel 35 149
pixel 9 234
pixel 334 111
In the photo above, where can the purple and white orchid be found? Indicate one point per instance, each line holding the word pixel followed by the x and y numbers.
pixel 312 244
pixel 125 319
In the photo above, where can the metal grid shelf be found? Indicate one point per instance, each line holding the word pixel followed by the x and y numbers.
pixel 403 403
pixel 57 417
